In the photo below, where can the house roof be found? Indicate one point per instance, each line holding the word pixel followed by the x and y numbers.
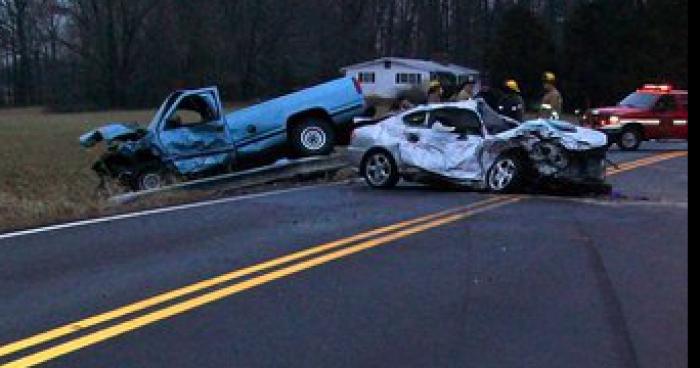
pixel 424 65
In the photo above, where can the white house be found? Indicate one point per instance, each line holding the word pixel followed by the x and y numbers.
pixel 388 77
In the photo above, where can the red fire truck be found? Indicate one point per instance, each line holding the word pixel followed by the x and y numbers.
pixel 652 112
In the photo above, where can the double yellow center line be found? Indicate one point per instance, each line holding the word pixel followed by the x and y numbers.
pixel 146 312
pixel 629 166
pixel 307 259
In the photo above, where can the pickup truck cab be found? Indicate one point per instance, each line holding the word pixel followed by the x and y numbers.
pixel 191 135
pixel 652 112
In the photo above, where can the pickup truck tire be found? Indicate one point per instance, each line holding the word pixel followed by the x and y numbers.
pixel 630 139
pixel 152 179
pixel 313 137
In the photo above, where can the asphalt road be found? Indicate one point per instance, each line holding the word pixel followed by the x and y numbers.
pixel 498 282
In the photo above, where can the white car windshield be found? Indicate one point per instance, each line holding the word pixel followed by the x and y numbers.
pixel 494 122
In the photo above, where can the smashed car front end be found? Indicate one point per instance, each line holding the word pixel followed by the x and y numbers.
pixel 573 166
pixel 561 151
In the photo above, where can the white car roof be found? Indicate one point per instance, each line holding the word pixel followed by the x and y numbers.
pixel 469 105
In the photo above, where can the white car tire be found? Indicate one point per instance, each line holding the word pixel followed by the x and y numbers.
pixel 505 176
pixel 379 170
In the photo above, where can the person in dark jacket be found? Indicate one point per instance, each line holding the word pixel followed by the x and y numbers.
pixel 512 103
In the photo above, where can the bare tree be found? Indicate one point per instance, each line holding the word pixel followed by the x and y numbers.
pixel 17 18
pixel 107 36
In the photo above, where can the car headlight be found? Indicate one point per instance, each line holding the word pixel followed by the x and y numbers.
pixel 614 120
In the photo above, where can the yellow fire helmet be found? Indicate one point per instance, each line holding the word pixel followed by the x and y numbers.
pixel 435 85
pixel 550 77
pixel 513 84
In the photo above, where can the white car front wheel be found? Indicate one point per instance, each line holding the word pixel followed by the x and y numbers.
pixel 505 175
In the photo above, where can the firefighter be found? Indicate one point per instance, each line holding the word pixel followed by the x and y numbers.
pixel 468 91
pixel 512 104
pixel 435 92
pixel 552 97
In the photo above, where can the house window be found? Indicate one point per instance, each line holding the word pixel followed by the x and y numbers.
pixel 366 78
pixel 409 78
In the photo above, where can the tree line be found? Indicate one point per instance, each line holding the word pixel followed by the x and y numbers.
pixel 96 54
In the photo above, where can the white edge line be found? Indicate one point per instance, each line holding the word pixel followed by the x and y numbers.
pixel 158 211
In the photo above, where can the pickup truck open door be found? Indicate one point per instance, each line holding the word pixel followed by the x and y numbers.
pixel 192 132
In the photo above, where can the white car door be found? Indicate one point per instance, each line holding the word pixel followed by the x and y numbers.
pixel 449 145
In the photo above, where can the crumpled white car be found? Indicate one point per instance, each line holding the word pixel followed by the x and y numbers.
pixel 469 144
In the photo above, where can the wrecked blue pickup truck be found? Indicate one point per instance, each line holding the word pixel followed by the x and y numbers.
pixel 190 136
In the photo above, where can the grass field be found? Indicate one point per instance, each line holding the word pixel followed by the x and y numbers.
pixel 45 175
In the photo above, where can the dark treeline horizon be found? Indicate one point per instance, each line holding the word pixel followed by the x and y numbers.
pixel 98 54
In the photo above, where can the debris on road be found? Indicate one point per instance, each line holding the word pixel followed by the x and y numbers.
pixel 617 195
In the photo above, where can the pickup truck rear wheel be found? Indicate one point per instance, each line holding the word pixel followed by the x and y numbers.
pixel 313 137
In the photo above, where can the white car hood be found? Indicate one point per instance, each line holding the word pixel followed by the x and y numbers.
pixel 572 137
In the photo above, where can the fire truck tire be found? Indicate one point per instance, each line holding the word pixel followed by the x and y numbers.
pixel 630 139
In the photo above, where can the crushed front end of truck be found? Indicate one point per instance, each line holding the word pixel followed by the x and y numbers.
pixel 130 160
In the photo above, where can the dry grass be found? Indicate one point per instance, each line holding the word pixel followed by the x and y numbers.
pixel 45 175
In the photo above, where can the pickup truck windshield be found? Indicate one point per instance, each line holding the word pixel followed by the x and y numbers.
pixel 163 110
pixel 640 101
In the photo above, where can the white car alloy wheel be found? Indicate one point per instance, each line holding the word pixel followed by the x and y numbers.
pixel 379 169
pixel 313 138
pixel 503 174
